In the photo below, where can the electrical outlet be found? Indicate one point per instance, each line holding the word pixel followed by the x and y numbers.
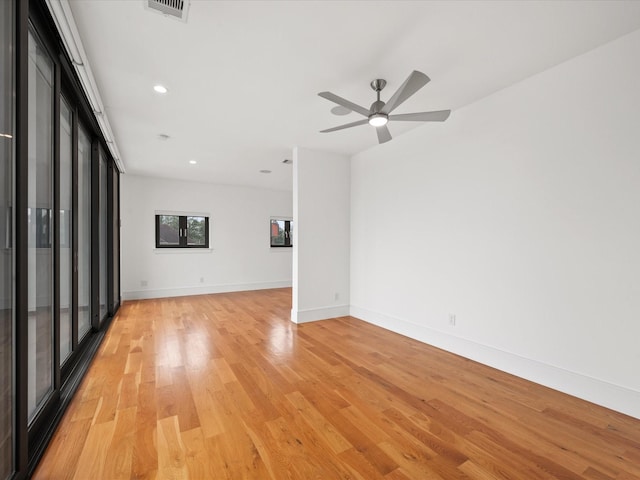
pixel 143 283
pixel 201 279
pixel 452 320
pixel 336 296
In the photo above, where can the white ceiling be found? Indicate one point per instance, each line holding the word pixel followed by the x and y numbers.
pixel 243 77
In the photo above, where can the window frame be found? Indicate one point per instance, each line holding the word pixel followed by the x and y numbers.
pixel 287 229
pixel 182 227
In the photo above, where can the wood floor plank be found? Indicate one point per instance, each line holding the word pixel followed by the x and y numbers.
pixel 226 387
pixel 172 462
pixel 196 456
pixel 475 472
pixel 360 462
pixel 92 459
pixel 145 453
pixel 319 423
pixel 120 452
pixel 67 446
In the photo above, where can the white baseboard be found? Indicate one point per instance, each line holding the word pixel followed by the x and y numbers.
pixel 201 290
pixel 323 313
pixel 615 397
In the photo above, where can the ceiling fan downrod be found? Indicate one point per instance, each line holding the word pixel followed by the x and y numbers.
pixel 377 85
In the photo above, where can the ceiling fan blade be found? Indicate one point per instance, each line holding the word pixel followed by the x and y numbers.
pixel 383 134
pixel 347 125
pixel 345 103
pixel 439 116
pixel 411 85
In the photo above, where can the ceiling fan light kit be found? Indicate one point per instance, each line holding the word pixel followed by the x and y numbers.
pixel 378 115
pixel 378 119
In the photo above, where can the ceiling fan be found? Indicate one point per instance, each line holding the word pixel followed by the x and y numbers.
pixel 379 113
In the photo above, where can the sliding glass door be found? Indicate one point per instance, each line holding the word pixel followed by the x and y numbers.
pixel 59 234
pixel 115 249
pixel 74 232
pixel 65 231
pixel 84 233
pixel 6 239
pixel 103 279
pixel 40 223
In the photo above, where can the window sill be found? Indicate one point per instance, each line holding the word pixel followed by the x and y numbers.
pixel 182 250
pixel 281 249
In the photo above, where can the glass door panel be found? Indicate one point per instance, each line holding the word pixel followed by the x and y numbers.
pixel 116 238
pixel 6 239
pixel 40 239
pixel 65 230
pixel 84 233
pixel 102 235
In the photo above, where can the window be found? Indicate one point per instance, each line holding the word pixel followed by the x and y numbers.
pixel 182 231
pixel 281 233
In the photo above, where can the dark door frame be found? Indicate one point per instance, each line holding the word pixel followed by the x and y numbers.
pixel 31 439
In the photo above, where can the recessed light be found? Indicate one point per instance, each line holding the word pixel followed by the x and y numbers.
pixel 163 136
pixel 193 162
pixel 265 171
pixel 160 89
pixel 288 161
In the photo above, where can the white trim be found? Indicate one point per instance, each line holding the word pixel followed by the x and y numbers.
pixel 182 214
pixel 616 397
pixel 201 290
pixel 322 313
pixel 181 250
pixel 65 24
pixel 279 249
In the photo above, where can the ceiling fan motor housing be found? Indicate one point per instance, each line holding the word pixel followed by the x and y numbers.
pixel 376 106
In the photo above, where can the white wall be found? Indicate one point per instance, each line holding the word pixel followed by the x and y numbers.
pixel 520 216
pixel 321 235
pixel 240 257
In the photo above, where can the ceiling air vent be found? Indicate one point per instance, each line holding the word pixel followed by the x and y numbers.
pixel 172 8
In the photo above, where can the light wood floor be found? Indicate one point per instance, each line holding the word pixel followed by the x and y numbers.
pixel 225 387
